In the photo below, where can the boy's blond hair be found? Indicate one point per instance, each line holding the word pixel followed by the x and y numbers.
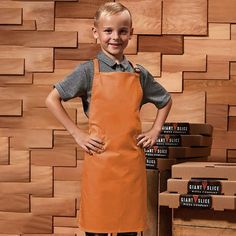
pixel 110 8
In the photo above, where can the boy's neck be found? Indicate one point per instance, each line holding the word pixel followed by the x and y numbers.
pixel 118 59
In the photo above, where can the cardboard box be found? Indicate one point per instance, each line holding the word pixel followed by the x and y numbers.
pixel 187 128
pixel 204 170
pixel 202 186
pixel 177 152
pixel 195 222
pixel 183 140
pixel 216 202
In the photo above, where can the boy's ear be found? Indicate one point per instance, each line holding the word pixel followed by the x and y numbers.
pixel 95 32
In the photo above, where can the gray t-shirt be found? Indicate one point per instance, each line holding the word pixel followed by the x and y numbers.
pixel 79 82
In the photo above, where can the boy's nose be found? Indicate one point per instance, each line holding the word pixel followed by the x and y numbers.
pixel 115 35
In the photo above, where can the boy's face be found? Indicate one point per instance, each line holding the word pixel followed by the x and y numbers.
pixel 114 33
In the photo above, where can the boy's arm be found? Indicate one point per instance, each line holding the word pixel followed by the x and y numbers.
pixel 89 144
pixel 148 139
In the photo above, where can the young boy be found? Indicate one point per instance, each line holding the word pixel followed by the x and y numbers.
pixel 113 195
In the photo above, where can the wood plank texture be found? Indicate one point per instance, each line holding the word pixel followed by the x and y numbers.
pixel 166 44
pixel 180 17
pixel 39 39
pixel 187 45
pixel 10 66
pixel 41 12
pixel 36 59
pixel 146 15
pixel 10 15
pixel 222 11
pixel 10 107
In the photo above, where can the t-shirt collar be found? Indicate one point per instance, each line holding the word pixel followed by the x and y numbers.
pixel 107 60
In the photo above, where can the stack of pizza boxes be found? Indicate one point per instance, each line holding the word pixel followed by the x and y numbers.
pixel 203 198
pixel 178 142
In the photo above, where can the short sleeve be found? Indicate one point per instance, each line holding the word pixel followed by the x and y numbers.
pixel 75 84
pixel 153 92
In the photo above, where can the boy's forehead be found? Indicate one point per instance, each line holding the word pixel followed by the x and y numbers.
pixel 123 16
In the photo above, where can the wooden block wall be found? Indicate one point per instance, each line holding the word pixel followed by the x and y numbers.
pixel 188 45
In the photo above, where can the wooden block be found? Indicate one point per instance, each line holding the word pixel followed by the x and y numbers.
pixel 217 47
pixel 10 16
pixel 232 68
pixel 68 173
pixel 222 11
pixel 32 95
pixel 41 183
pixel 231 155
pixel 4 150
pixel 19 165
pixel 53 206
pixel 146 15
pixel 67 189
pixel 171 81
pixel 10 107
pixel 215 31
pixel 54 157
pixel 25 79
pixel 185 17
pixel 66 221
pixel 14 202
pixel 217 68
pixel 28 138
pixel 82 26
pixel 233 31
pixel 26 25
pixel 68 231
pixel 9 66
pixel 152 202
pixel 217 115
pixel 36 59
pixel 83 52
pixel 36 118
pixel 39 39
pixel 182 230
pixel 232 110
pixel 132 46
pixel 151 61
pixel 186 62
pixel 223 91
pixel 63 139
pixel 217 155
pixel 232 123
pixel 165 44
pixel 20 223
pixel 67 64
pixel 184 111
pixel 80 9
pixel 51 78
pixel 41 12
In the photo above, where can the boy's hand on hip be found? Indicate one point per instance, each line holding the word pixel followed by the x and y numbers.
pixel 147 139
pixel 88 143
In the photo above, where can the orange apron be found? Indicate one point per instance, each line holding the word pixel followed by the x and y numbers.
pixel 113 194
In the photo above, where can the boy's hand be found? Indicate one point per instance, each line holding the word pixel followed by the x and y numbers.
pixel 88 143
pixel 148 139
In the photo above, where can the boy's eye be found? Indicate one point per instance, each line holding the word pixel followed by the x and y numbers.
pixel 108 30
pixel 124 31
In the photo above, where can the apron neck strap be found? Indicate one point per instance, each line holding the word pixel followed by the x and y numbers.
pixel 96 66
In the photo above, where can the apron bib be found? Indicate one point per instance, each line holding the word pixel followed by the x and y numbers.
pixel 113 193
